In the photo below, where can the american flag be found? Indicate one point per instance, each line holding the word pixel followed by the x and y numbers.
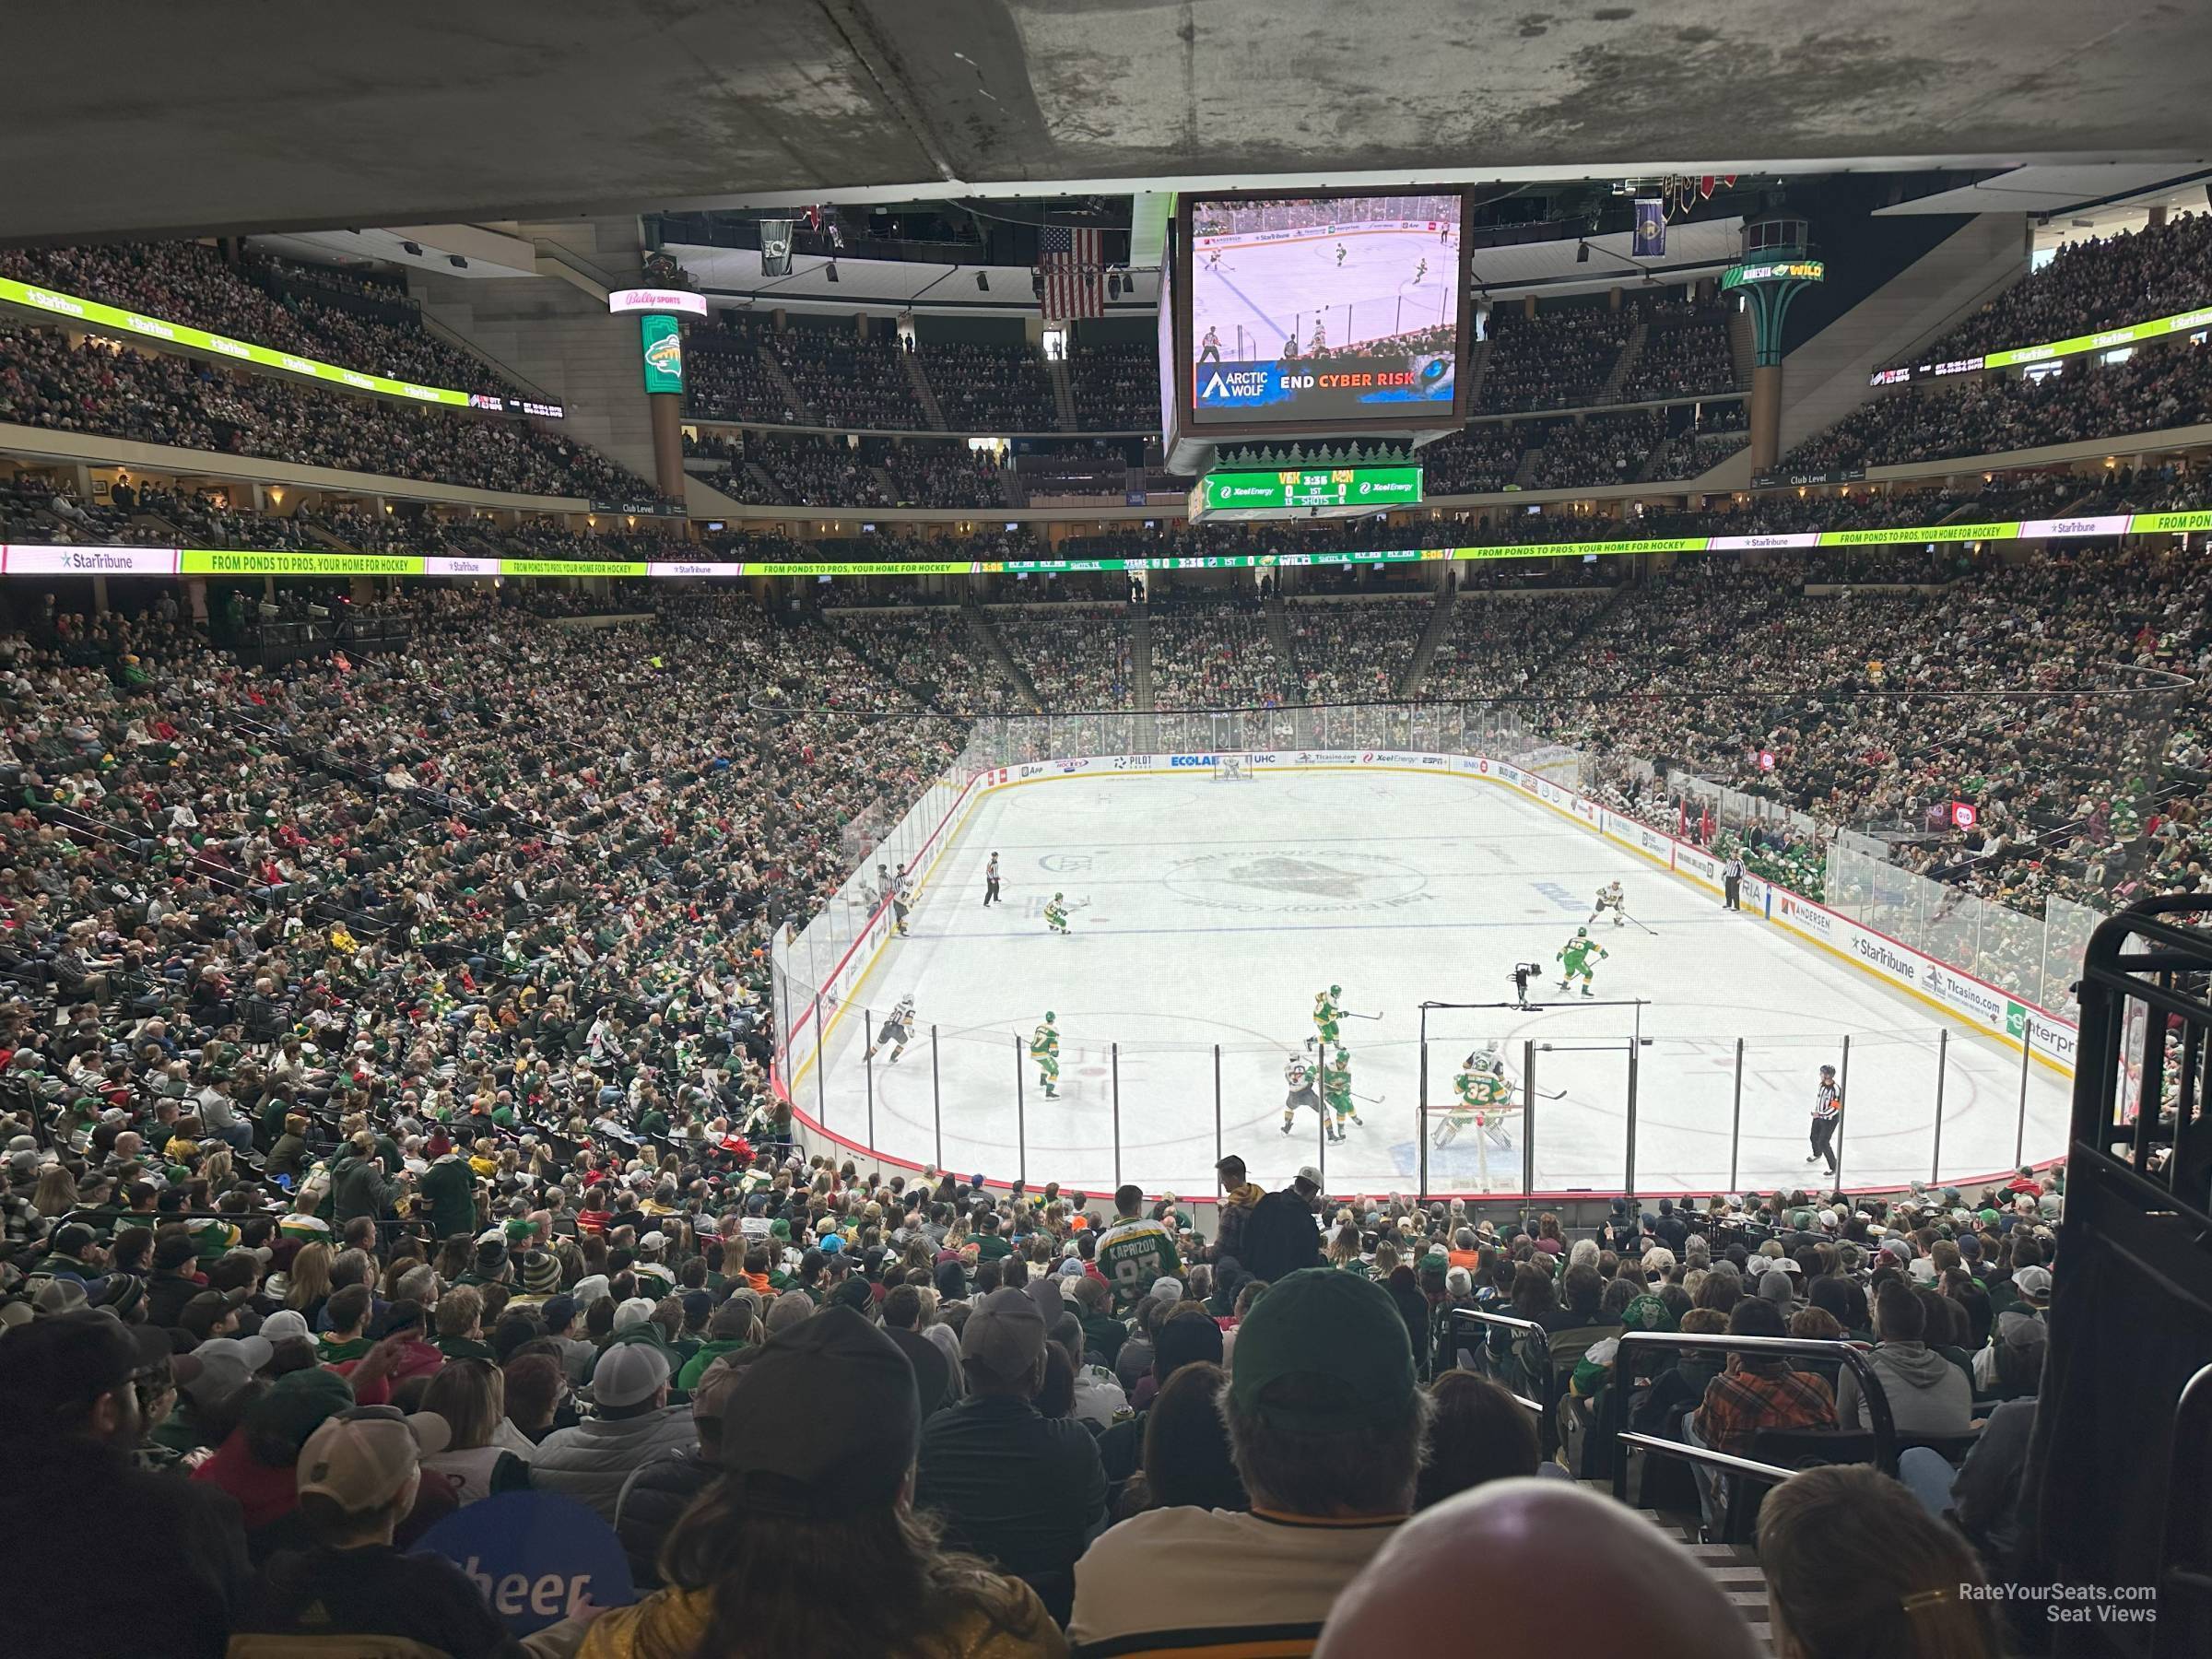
pixel 1071 262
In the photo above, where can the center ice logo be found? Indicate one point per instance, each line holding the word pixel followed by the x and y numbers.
pixel 1298 881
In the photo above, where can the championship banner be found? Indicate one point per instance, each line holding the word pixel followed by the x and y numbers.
pixel 1650 240
pixel 775 247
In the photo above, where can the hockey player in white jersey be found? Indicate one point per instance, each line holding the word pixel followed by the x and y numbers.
pixel 1610 898
pixel 1300 1074
pixel 896 1030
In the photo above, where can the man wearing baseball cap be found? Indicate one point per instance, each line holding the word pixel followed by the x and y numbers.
pixel 633 1424
pixel 358 1476
pixel 69 1416
pixel 1019 1489
pixel 1327 1426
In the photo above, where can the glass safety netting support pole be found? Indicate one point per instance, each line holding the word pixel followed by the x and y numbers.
pixel 1943 1047
pixel 1528 1115
pixel 937 1101
pixel 1735 1117
pixel 868 1030
pixel 1835 1181
pixel 1021 1117
pixel 821 1061
pixel 1420 1124
pixel 1218 1191
pixel 1115 1054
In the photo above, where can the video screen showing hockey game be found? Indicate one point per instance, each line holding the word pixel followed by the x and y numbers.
pixel 1324 308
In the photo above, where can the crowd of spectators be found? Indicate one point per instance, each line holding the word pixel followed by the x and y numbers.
pixel 1356 650
pixel 1008 1415
pixel 1213 651
pixel 1686 354
pixel 947 473
pixel 990 389
pixel 1560 357
pixel 929 651
pixel 1076 656
pixel 193 283
pixel 116 391
pixel 1116 387
pixel 726 378
pixel 2091 284
pixel 848 380
pixel 1475 460
pixel 2153 390
pixel 1593 450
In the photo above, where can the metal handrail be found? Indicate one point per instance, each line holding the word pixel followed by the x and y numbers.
pixel 1509 1322
pixel 1853 1357
pixel 2186 1534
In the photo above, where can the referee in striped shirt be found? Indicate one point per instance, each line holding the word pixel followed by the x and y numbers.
pixel 1828 1117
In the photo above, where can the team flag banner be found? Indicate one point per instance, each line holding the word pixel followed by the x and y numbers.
pixel 30 560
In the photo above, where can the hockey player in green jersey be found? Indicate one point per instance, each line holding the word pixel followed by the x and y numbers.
pixel 1044 1049
pixel 1336 1088
pixel 1326 1013
pixel 1055 915
pixel 1576 956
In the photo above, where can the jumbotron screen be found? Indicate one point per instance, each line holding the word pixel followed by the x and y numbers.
pixel 1319 309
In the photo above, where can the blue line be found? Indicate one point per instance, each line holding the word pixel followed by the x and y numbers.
pixel 1127 933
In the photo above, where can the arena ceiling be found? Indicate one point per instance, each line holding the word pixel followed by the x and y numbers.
pixel 144 115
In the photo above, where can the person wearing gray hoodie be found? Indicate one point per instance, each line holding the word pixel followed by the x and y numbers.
pixel 1927 1394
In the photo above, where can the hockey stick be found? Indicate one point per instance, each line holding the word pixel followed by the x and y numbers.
pixel 1370 1100
pixel 1347 1014
pixel 1647 930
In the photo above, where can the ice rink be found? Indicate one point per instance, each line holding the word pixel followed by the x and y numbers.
pixel 1275 290
pixel 1207 913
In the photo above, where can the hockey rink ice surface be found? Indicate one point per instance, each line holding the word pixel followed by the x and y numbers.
pixel 1207 913
pixel 1270 289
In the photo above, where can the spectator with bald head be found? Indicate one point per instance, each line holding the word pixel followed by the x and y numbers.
pixel 1554 1569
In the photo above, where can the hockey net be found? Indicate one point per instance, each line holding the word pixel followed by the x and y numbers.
pixel 1231 769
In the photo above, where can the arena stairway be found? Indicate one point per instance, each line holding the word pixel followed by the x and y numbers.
pixel 790 393
pixel 1733 1568
pixel 1625 364
pixel 987 638
pixel 1064 395
pixel 1140 677
pixel 1289 680
pixel 923 392
pixel 1440 624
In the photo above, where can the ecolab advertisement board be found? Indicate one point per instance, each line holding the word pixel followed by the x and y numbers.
pixel 1974 1000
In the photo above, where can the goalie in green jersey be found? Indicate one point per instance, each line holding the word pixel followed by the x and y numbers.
pixel 1044 1049
pixel 1576 957
pixel 1485 1095
pixel 1056 913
